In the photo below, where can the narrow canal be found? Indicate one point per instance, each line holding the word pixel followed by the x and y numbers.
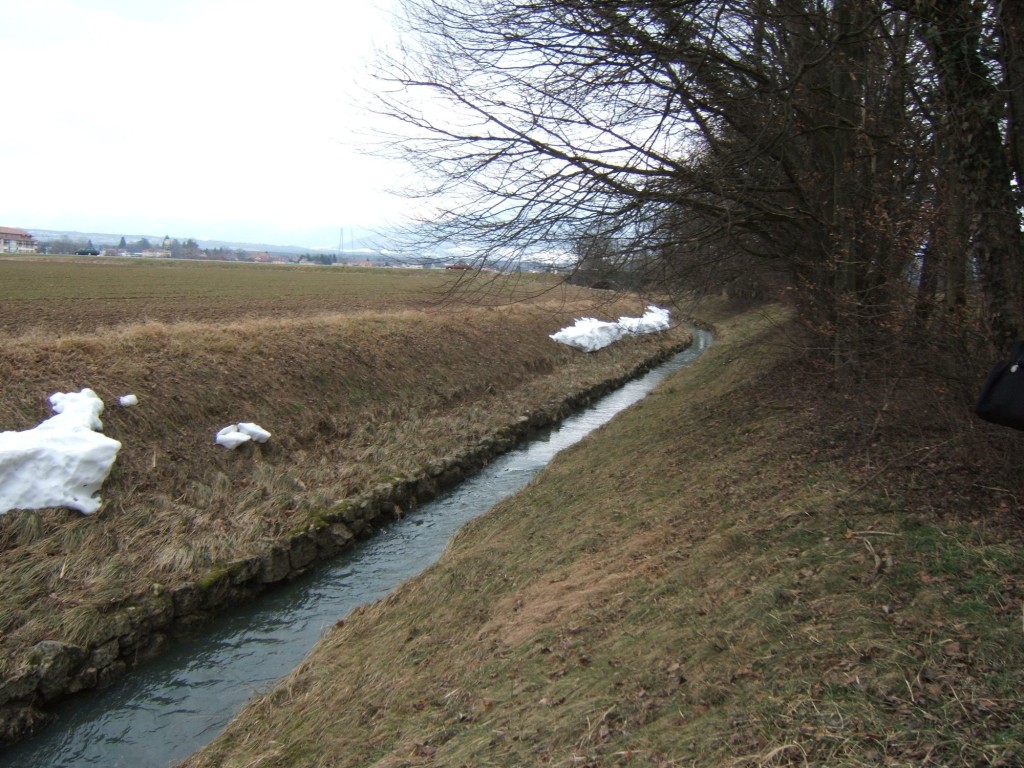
pixel 170 707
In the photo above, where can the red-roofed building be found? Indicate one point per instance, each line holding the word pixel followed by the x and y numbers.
pixel 16 241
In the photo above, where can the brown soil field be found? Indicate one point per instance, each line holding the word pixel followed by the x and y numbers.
pixel 65 295
pixel 361 376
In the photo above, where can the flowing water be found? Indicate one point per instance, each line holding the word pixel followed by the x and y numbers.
pixel 170 707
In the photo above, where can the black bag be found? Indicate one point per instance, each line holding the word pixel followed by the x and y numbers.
pixel 1002 398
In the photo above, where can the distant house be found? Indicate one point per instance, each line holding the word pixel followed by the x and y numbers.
pixel 156 253
pixel 16 241
pixel 461 266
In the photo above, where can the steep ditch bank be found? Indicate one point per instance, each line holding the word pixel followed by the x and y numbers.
pixel 140 628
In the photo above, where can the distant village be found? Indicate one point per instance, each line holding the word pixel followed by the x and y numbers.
pixel 20 241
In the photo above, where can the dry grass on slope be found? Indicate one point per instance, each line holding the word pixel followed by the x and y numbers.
pixel 351 399
pixel 722 576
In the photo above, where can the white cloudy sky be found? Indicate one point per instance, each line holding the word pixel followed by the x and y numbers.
pixel 220 119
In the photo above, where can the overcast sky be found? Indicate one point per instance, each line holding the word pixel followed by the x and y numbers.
pixel 213 119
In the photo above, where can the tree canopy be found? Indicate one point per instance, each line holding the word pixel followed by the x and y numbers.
pixel 866 151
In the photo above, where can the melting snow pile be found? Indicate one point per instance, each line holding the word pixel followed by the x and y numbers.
pixel 234 435
pixel 591 335
pixel 62 462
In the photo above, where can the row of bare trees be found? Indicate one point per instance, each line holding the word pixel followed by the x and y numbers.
pixel 869 151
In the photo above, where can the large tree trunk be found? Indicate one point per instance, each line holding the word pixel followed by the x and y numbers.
pixel 974 107
pixel 1011 44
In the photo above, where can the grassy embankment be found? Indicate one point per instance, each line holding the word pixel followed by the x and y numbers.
pixel 360 375
pixel 752 567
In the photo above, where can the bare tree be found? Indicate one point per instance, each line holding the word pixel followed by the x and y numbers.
pixel 813 136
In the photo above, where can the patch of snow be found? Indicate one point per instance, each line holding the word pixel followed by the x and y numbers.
pixel 591 335
pixel 234 435
pixel 62 462
pixel 255 431
pixel 128 400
